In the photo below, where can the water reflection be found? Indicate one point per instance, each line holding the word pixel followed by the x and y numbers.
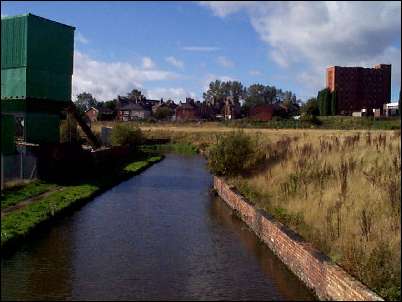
pixel 159 235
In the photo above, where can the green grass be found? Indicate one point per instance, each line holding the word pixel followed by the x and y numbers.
pixel 19 224
pixel 328 122
pixel 180 148
pixel 15 195
pixel 138 165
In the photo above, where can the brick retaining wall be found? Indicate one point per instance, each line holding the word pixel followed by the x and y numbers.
pixel 327 280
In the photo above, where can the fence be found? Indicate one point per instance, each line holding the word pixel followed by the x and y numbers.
pixel 19 166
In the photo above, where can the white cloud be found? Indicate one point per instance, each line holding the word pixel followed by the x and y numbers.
pixel 81 38
pixel 106 80
pixel 255 72
pixel 175 94
pixel 225 62
pixel 147 63
pixel 201 48
pixel 175 62
pixel 225 8
pixel 306 37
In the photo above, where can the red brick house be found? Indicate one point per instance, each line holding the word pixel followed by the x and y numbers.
pixel 187 111
pixel 263 112
pixel 266 112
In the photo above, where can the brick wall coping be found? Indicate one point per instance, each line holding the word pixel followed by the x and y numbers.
pixel 328 280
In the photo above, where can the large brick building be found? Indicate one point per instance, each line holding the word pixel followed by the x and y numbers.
pixel 358 88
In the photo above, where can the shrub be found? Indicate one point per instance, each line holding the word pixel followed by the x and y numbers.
pixel 310 119
pixel 125 135
pixel 163 113
pixel 232 154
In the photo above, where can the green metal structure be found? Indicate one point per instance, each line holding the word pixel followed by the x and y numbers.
pixel 36 73
pixel 36 59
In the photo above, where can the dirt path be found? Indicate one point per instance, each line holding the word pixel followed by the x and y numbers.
pixel 23 204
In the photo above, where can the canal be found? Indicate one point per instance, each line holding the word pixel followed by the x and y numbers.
pixel 158 236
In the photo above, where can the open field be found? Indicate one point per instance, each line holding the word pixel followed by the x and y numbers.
pixel 328 123
pixel 339 189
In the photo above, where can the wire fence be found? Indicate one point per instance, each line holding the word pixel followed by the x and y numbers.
pixel 19 166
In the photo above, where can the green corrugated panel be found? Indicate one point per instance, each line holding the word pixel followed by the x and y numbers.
pixel 42 128
pixel 43 84
pixel 14 41
pixel 35 42
pixel 13 83
pixel 23 83
pixel 37 58
pixel 7 134
pixel 50 45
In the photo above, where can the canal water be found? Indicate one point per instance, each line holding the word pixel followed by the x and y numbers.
pixel 158 236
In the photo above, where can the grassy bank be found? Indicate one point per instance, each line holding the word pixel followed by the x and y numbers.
pixel 16 194
pixel 17 225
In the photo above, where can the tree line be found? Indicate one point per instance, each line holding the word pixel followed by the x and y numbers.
pixel 255 94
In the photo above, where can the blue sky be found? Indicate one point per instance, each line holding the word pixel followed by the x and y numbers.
pixel 173 49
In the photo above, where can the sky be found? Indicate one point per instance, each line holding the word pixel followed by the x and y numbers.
pixel 174 49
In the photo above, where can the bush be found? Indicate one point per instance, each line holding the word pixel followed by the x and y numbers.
pixel 126 135
pixel 233 154
pixel 310 119
pixel 163 113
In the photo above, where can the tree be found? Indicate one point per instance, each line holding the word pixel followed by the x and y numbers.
pixel 110 104
pixel 310 107
pixel 218 90
pixel 85 101
pixel 258 94
pixel 309 111
pixel 136 95
pixel 324 100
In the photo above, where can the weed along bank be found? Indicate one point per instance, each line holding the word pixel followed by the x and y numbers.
pixel 315 269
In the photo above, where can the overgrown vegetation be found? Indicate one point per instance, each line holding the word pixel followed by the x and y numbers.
pixel 126 134
pixel 340 193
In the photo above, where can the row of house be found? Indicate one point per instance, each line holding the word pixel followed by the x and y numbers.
pixel 223 109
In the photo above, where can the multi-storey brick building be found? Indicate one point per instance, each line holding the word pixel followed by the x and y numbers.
pixel 358 88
